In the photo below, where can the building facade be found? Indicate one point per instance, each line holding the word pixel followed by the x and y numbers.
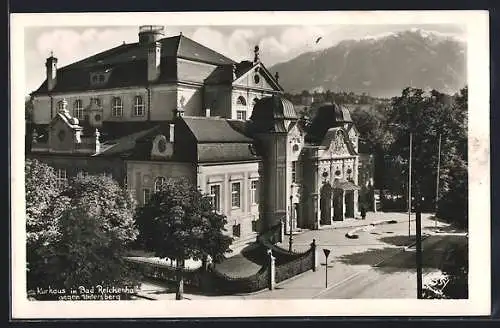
pixel 167 108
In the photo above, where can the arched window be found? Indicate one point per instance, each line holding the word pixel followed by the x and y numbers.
pixel 78 109
pixel 117 110
pixel 241 101
pixel 138 106
pixel 159 182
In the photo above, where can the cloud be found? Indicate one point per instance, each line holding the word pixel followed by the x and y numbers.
pixel 70 45
pixel 238 45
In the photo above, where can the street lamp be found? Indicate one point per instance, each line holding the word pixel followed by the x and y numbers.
pixel 290 241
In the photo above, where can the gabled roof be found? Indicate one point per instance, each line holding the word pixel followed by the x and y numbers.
pixel 264 71
pixel 214 130
pixel 128 65
pixel 224 73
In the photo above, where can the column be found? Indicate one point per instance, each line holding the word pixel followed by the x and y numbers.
pixel 343 205
pixel 272 270
pixel 356 205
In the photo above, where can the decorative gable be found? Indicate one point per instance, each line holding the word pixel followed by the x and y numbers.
pixel 258 77
pixel 337 144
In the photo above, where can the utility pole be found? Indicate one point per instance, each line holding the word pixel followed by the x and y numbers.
pixel 409 185
pixel 437 180
pixel 291 225
pixel 418 245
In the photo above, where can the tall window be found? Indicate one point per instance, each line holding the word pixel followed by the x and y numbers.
pixel 236 194
pixel 117 110
pixel 62 178
pixel 159 182
pixel 138 106
pixel 241 115
pixel 146 195
pixel 78 109
pixel 237 230
pixel 254 193
pixel 60 105
pixel 215 197
pixel 294 171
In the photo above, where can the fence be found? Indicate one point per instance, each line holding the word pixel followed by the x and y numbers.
pixel 167 273
pixel 281 266
pixel 224 284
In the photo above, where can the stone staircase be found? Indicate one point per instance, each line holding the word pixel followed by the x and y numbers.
pixel 240 243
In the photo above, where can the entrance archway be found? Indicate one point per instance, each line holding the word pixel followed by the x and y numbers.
pixel 326 204
pixel 338 203
pixel 349 204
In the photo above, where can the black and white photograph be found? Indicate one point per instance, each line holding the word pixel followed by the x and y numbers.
pixel 253 164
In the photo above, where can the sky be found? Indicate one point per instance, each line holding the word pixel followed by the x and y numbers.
pixel 277 43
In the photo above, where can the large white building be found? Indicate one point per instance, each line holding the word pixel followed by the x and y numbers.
pixel 170 107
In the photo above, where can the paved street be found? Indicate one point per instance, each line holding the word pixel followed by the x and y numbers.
pixel 375 265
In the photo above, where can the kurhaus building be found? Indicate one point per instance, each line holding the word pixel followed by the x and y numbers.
pixel 166 108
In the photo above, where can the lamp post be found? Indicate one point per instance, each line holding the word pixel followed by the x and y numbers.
pixel 437 180
pixel 409 184
pixel 290 241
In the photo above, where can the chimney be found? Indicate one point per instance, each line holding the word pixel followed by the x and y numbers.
pixel 171 133
pixel 207 112
pixel 51 71
pixel 154 56
pixel 150 33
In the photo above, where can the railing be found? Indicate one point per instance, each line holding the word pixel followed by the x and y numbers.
pixel 166 273
pixel 231 285
pixel 300 265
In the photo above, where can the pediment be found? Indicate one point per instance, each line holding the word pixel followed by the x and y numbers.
pixel 258 77
pixel 337 144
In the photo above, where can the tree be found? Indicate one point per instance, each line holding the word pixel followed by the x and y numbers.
pixel 95 231
pixel 41 190
pixel 427 116
pixel 78 236
pixel 179 223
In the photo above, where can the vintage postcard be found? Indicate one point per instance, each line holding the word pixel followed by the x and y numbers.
pixel 250 164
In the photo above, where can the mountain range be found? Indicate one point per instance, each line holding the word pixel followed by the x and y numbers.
pixel 380 66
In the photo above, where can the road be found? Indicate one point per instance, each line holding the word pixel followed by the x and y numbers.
pixel 376 265
pixel 393 277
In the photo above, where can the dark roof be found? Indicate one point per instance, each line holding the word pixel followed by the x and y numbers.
pixel 225 152
pixel 213 130
pixel 269 114
pixel 327 115
pixel 128 65
pixel 125 144
pixel 224 73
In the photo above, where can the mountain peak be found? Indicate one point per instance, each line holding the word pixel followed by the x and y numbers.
pixel 380 65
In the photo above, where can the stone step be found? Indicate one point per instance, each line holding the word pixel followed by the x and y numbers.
pixel 239 244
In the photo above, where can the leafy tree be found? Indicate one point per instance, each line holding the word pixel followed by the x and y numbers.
pixel 79 235
pixel 95 230
pixel 179 223
pixel 41 189
pixel 427 116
